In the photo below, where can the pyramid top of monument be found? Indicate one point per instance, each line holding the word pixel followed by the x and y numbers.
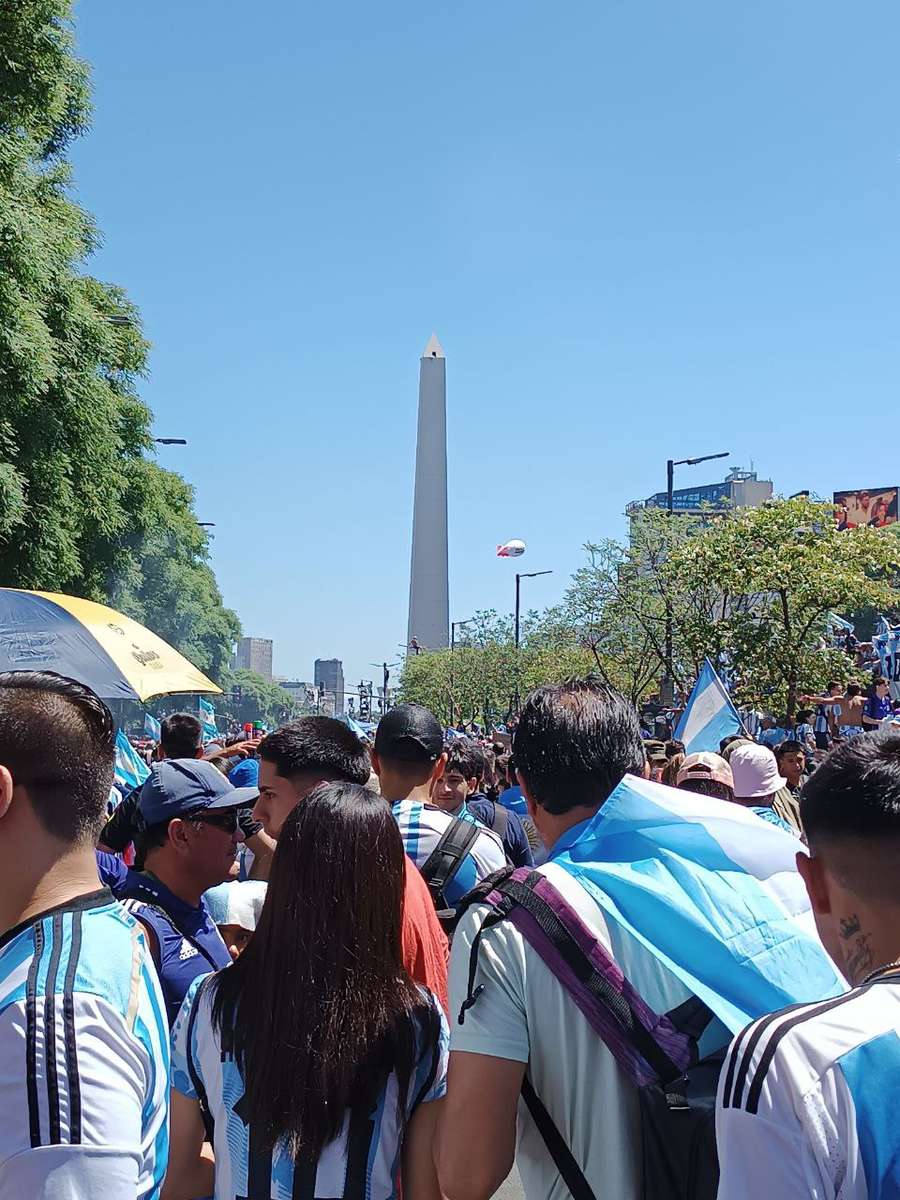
pixel 434 348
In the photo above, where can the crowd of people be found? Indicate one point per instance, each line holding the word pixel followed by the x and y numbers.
pixel 304 967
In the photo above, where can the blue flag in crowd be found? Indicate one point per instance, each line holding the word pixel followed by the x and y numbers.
pixel 710 890
pixel 709 715
pixel 130 769
pixel 152 727
pixel 356 728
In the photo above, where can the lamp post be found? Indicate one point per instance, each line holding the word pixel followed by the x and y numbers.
pixel 170 441
pixel 519 577
pixel 667 689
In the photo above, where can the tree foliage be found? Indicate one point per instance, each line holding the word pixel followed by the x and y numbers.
pixel 82 509
pixel 261 699
pixel 768 578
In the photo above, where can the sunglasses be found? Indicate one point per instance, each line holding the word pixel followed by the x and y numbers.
pixel 227 820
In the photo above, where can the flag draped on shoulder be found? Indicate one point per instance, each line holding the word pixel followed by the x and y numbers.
pixel 130 768
pixel 709 715
pixel 711 890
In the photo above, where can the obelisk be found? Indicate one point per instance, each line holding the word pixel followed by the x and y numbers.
pixel 429 585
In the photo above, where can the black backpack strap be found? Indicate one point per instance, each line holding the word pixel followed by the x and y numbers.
pixel 521 892
pixel 500 820
pixel 563 1158
pixel 446 858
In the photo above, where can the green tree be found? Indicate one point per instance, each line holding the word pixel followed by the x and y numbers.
pixel 162 576
pixel 769 577
pixel 261 699
pixel 82 510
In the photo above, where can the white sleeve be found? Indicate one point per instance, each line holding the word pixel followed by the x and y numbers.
pixel 765 1152
pixel 74 1125
pixel 71 1173
pixel 496 1024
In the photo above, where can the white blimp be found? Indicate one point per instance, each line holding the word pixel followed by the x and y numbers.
pixel 511 549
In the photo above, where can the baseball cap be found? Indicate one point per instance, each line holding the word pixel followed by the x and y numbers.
pixel 755 772
pixel 409 733
pixel 177 786
pixel 706 765
pixel 655 751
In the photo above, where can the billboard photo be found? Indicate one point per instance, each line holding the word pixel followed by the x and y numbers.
pixel 867 506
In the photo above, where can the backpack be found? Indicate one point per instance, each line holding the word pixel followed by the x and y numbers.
pixel 659 1054
pixel 442 864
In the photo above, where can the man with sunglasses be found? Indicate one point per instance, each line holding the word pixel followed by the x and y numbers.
pixel 190 840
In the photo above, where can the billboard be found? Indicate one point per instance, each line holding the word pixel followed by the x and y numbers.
pixel 867 506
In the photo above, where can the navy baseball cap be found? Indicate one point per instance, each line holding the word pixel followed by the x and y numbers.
pixel 177 786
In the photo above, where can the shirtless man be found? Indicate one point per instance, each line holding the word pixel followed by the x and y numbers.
pixel 850 706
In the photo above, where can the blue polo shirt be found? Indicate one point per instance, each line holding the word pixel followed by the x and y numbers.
pixel 189 942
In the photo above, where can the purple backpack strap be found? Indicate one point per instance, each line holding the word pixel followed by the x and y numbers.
pixel 647 1047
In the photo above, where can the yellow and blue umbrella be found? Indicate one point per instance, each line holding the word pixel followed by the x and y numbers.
pixel 111 653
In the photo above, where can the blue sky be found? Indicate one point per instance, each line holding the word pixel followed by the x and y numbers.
pixel 639 230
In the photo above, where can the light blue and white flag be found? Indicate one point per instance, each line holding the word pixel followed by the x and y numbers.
pixel 709 715
pixel 710 890
pixel 152 727
pixel 356 728
pixel 208 720
pixel 130 768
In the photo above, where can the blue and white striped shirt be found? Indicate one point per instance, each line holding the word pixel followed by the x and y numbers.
pixel 363 1161
pixel 422 826
pixel 84 1056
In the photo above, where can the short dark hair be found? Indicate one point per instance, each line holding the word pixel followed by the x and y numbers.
pixel 574 743
pixel 673 747
pixel 707 787
pixel 855 793
pixel 788 746
pixel 467 759
pixel 804 714
pixel 321 744
pixel 180 735
pixel 732 737
pixel 853 689
pixel 833 684
pixel 58 740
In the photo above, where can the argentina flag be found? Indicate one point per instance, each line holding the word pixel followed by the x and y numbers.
pixel 709 715
pixel 130 768
pixel 152 727
pixel 710 890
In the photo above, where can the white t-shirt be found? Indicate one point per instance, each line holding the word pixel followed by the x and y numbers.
pixel 808 1102
pixel 524 1014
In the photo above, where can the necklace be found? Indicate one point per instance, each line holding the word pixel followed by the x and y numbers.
pixel 882 970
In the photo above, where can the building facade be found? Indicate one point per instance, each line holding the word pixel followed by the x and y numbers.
pixel 739 489
pixel 255 654
pixel 329 680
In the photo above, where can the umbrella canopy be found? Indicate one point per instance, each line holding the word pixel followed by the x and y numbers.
pixel 117 657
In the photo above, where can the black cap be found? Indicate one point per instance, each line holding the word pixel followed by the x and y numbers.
pixel 409 733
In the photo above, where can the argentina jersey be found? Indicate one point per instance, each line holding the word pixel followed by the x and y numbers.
pixel 808 1101
pixel 362 1163
pixel 84 1056
pixel 422 826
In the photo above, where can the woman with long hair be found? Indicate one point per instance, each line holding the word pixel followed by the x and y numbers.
pixel 313 1063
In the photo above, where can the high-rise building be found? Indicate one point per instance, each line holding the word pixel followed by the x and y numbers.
pixel 429 586
pixel 329 677
pixel 255 654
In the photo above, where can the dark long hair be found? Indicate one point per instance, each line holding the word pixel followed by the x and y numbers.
pixel 318 1010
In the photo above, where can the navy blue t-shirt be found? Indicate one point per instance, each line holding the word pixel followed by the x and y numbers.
pixel 189 942
pixel 515 839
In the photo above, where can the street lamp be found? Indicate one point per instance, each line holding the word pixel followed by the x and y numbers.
pixel 667 690
pixel 454 625
pixel 519 578
pixel 207 524
pixel 171 441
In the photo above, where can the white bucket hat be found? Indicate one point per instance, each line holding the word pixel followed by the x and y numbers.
pixel 755 772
